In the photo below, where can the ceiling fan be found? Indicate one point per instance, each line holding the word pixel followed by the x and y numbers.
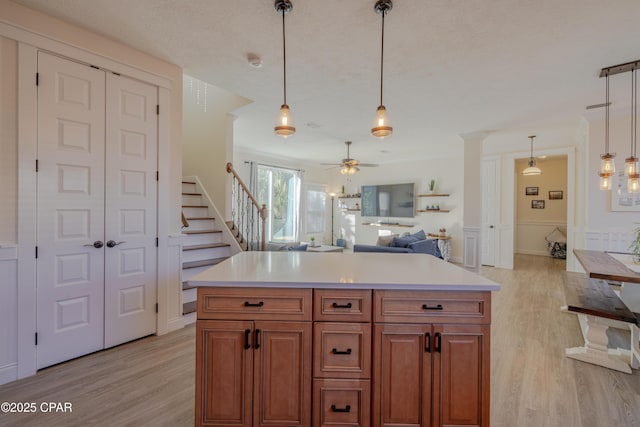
pixel 349 165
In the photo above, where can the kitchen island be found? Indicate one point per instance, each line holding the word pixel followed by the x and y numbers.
pixel 302 339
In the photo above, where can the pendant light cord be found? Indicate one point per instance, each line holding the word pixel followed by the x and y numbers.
pixel 634 112
pixel 384 12
pixel 284 54
pixel 606 113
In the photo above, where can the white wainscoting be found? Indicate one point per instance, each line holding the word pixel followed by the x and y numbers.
pixel 471 237
pixel 8 313
pixel 530 236
pixel 174 290
pixel 608 240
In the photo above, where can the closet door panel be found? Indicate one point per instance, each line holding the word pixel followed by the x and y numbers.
pixel 70 187
pixel 130 208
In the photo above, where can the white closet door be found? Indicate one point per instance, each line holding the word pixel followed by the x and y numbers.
pixel 70 185
pixel 131 197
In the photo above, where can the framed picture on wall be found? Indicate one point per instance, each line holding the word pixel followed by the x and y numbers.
pixel 556 195
pixel 537 204
pixel 531 191
pixel 621 199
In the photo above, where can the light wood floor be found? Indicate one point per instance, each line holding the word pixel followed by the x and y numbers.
pixel 150 382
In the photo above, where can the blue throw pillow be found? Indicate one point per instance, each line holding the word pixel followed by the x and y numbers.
pixel 403 242
pixel 301 248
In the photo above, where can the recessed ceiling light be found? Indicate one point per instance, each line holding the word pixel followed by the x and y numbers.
pixel 384 151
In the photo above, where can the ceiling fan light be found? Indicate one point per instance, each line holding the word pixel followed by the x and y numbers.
pixel 381 129
pixel 284 128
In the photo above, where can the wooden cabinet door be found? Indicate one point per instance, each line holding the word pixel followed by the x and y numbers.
pixel 461 375
pixel 402 375
pixel 224 371
pixel 282 374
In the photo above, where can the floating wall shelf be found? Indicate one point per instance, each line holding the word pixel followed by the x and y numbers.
pixel 434 195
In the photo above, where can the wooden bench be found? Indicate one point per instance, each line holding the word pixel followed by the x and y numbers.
pixel 598 308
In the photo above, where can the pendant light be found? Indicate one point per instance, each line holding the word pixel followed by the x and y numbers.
pixel 532 170
pixel 382 128
pixel 631 162
pixel 284 128
pixel 607 160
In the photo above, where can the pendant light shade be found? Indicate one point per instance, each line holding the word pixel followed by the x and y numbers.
pixel 532 170
pixel 381 127
pixel 284 128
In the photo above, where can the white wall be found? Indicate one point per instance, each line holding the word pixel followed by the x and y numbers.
pixel 606 229
pixel 205 135
pixel 532 225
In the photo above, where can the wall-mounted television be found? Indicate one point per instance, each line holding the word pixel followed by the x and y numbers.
pixel 392 200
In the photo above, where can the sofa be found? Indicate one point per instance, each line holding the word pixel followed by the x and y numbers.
pixel 408 243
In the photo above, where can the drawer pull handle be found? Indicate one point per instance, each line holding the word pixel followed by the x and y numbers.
pixel 335 351
pixel 347 408
pixel 256 343
pixel 438 342
pixel 247 332
pixel 427 342
pixel 437 307
pixel 248 304
pixel 347 305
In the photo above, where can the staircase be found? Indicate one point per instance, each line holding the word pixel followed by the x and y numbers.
pixel 203 246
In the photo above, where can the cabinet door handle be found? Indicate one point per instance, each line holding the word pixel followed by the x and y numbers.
pixel 256 343
pixel 347 305
pixel 436 307
pixel 335 351
pixel 427 342
pixel 247 345
pixel 248 304
pixel 438 342
pixel 347 408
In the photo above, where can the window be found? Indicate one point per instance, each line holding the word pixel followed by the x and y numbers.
pixel 315 209
pixel 279 189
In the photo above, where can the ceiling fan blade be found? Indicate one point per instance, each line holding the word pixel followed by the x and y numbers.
pixel 368 165
pixel 331 164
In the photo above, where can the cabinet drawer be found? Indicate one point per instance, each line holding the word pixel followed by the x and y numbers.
pixel 342 350
pixel 254 304
pixel 432 307
pixel 341 402
pixel 338 305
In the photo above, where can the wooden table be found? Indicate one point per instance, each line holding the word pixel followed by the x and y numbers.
pixel 598 308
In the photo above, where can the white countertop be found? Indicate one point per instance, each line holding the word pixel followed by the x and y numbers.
pixel 342 270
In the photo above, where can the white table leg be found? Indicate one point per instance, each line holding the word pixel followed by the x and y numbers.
pixel 595 345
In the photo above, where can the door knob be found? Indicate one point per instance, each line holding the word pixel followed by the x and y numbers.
pixel 112 243
pixel 97 244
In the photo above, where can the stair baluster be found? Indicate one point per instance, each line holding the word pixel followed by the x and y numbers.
pixel 248 217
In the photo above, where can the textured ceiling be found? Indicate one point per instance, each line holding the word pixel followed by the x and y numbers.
pixel 451 66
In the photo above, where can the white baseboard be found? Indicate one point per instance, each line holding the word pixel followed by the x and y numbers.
pixel 8 373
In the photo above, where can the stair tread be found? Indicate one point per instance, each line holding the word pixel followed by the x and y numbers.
pixel 188 182
pixel 200 231
pixel 202 263
pixel 191 194
pixel 205 246
pixel 186 286
pixel 194 206
pixel 197 218
pixel 189 307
